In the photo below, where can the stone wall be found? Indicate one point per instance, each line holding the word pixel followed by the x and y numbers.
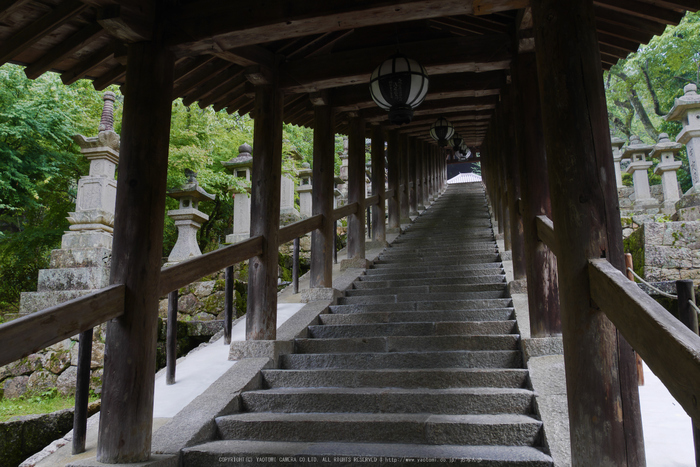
pixel 666 251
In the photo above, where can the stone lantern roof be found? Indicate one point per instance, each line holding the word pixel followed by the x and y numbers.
pixel 191 189
pixel 665 145
pixel 690 100
pixel 636 146
pixel 244 158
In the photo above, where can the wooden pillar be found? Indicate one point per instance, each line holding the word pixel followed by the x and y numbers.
pixel 403 159
pixel 393 179
pixel 601 373
pixel 425 187
pixel 323 239
pixel 378 213
pixel 137 248
pixel 433 173
pixel 512 174
pixel 412 179
pixel 261 317
pixel 540 262
pixel 356 188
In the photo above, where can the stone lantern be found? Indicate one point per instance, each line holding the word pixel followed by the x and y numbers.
pixel 638 152
pixel 617 144
pixel 687 109
pixel 304 189
pixel 288 211
pixel 667 168
pixel 188 218
pixel 241 167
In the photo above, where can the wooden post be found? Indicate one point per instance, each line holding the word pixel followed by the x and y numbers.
pixel 378 214
pixel 295 266
pixel 356 188
pixel 604 415
pixel 425 188
pixel 82 391
pixel 261 317
pixel 171 339
pixel 689 317
pixel 323 251
pixel 629 264
pixel 228 304
pixel 137 247
pixel 393 176
pixel 412 179
pixel 512 179
pixel 540 262
pixel 403 160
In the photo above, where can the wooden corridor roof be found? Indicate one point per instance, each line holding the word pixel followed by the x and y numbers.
pixel 222 47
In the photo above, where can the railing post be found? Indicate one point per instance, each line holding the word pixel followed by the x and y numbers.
pixel 689 317
pixel 404 180
pixel 82 391
pixel 394 172
pixel 378 178
pixel 335 242
pixel 126 419
pixel 171 339
pixel 356 194
pixel 228 304
pixel 295 266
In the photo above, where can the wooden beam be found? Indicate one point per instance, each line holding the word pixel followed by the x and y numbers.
pixel 199 75
pixel 628 21
pixel 319 45
pixel 186 272
pixel 440 106
pixel 128 22
pixel 83 68
pixel 190 66
pixel 64 49
pixel 345 211
pixel 224 92
pixel 8 7
pixel 247 56
pixel 31 33
pixel 109 77
pixel 130 347
pixel 39 330
pixel 623 32
pixel 261 321
pixel 664 343
pixel 238 23
pixel 489 7
pixel 619 42
pixel 300 228
pixel 642 10
pixel 232 75
pixel 438 56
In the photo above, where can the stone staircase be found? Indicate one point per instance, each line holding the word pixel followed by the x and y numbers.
pixel 418 363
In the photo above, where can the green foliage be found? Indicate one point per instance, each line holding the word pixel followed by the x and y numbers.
pixel 46 402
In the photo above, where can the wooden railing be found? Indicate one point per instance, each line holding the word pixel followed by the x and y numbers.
pixel 671 350
pixel 39 330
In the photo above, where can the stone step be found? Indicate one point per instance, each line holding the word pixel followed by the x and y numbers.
pixel 427 257
pixel 439 263
pixel 375 400
pixel 440 328
pixel 407 378
pixel 361 284
pixel 406 343
pixel 272 453
pixel 442 305
pixel 416 297
pixel 427 289
pixel 501 429
pixel 397 360
pixel 397 270
pixel 496 314
pixel 439 250
pixel 456 272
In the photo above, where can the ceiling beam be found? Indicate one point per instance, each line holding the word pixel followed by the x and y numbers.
pixel 642 10
pixel 440 56
pixel 236 23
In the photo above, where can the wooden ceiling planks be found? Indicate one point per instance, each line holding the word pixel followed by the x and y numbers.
pixel 466 46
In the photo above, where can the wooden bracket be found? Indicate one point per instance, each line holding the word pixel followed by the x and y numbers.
pixel 320 97
pixel 126 22
pixel 258 74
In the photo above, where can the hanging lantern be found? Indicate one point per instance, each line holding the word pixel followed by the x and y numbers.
pixel 464 149
pixel 456 143
pixel 399 85
pixel 441 131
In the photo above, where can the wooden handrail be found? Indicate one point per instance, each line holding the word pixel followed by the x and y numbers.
pixel 371 201
pixel 345 211
pixel 297 229
pixel 388 193
pixel 174 277
pixel 545 232
pixel 39 330
pixel 671 350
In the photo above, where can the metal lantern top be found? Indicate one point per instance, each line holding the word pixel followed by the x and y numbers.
pixel 399 85
pixel 456 143
pixel 441 131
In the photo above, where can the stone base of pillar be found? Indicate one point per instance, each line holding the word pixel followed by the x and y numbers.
pixel 320 294
pixel 420 208
pixel 374 244
pixel 360 263
pixel 517 286
pixel 393 230
pixel 405 220
pixel 260 349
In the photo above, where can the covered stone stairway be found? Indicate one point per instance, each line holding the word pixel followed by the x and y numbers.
pixel 419 361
